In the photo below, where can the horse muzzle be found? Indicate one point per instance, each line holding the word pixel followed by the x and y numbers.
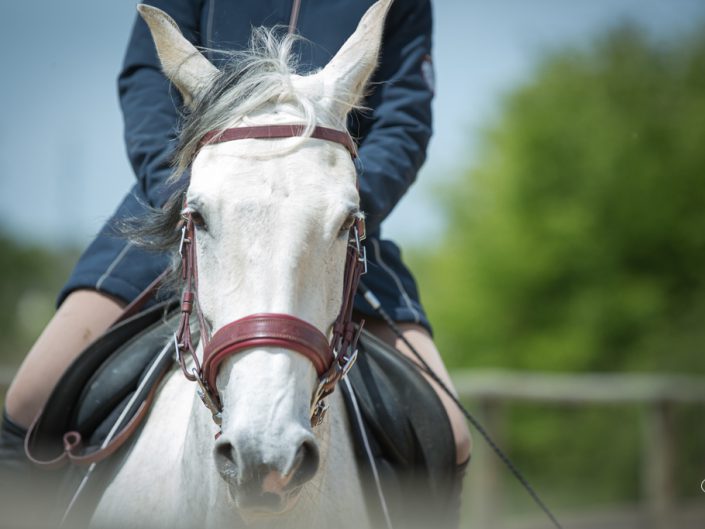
pixel 260 487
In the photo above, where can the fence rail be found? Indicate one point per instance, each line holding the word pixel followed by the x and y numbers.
pixel 492 390
pixel 657 394
pixel 566 388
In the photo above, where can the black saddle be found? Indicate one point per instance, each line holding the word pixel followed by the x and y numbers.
pixel 403 438
pixel 397 417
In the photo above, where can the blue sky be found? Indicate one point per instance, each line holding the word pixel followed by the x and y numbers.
pixel 62 162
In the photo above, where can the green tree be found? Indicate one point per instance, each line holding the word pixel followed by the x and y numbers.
pixel 576 241
pixel 30 279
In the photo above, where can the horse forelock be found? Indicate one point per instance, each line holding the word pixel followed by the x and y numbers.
pixel 250 80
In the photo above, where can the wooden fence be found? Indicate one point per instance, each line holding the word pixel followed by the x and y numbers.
pixel 490 391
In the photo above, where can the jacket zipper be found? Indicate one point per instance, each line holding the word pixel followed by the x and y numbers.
pixel 295 8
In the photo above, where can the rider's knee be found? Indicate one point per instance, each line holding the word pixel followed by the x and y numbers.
pixel 463 442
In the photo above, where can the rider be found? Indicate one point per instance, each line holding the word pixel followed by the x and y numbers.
pixel 393 137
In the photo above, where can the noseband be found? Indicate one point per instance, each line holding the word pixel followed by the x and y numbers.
pixel 331 359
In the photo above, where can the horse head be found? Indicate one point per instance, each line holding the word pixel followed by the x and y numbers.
pixel 271 223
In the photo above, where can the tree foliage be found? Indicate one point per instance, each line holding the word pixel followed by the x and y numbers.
pixel 577 240
pixel 30 278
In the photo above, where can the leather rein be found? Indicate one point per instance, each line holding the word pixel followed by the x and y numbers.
pixel 331 359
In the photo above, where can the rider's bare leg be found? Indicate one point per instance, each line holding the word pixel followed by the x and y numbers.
pixel 83 316
pixel 423 343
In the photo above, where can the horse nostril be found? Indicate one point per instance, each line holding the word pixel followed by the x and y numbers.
pixel 225 457
pixel 254 477
pixel 305 464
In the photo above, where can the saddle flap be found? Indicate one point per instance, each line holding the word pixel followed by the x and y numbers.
pixel 117 377
pixel 60 414
pixel 409 433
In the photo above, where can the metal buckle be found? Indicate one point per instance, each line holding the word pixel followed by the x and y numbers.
pixel 183 239
pixel 318 405
pixel 360 248
pixel 318 413
pixel 177 348
pixel 362 258
pixel 356 239
pixel 318 394
pixel 206 398
pixel 348 363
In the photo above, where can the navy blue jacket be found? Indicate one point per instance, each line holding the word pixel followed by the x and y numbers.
pixel 393 136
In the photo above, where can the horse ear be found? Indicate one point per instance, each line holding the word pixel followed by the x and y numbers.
pixel 347 74
pixel 183 64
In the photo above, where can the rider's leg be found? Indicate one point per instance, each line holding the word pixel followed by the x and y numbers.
pixel 420 339
pixel 83 316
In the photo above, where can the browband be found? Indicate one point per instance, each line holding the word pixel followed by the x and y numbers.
pixel 277 132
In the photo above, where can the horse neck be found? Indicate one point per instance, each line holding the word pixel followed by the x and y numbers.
pixel 335 488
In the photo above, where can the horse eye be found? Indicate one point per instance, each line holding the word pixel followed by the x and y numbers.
pixel 347 225
pixel 198 221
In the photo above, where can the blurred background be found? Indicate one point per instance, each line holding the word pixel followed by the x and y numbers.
pixel 557 232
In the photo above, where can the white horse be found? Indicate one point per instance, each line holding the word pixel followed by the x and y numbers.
pixel 272 221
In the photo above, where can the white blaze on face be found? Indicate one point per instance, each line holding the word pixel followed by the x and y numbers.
pixel 272 241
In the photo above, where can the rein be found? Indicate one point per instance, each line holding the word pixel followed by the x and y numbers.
pixel 331 359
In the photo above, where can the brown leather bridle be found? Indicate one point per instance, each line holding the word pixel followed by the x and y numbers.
pixel 331 359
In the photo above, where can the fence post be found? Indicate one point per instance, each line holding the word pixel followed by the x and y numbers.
pixel 658 463
pixel 485 484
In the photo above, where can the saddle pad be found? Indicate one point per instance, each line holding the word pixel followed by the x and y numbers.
pixel 409 435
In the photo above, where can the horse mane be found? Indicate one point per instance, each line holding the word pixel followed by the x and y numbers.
pixel 249 80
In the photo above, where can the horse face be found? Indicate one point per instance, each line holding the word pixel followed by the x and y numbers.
pixel 272 239
pixel 272 220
